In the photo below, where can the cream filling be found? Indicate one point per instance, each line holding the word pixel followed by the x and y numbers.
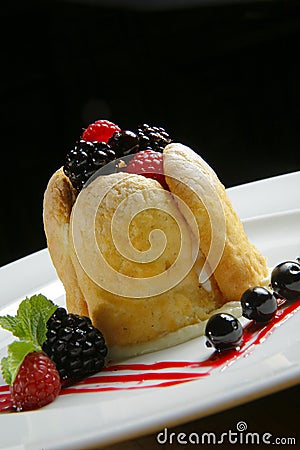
pixel 171 339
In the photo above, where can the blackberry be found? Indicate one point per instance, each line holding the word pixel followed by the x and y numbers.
pixel 124 143
pixel 85 159
pixel 154 138
pixel 76 347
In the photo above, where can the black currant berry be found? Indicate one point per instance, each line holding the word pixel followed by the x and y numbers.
pixel 124 143
pixel 223 331
pixel 258 304
pixel 285 280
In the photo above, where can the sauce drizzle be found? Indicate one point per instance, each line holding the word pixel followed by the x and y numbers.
pixel 161 374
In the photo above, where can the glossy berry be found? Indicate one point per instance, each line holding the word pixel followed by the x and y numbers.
pixel 36 384
pixel 100 131
pixel 149 164
pixel 124 143
pixel 154 138
pixel 85 159
pixel 258 304
pixel 285 280
pixel 223 331
pixel 75 345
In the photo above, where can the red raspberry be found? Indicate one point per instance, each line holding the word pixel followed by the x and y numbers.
pixel 100 131
pixel 150 164
pixel 36 384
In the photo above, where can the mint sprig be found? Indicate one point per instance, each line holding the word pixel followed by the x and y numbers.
pixel 30 326
pixel 17 351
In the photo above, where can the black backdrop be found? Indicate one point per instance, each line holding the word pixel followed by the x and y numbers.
pixel 222 79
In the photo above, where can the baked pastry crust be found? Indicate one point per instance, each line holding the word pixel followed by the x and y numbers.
pixel 190 178
pixel 59 199
pixel 78 232
pixel 155 306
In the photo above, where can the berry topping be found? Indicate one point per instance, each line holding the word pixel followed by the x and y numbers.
pixel 258 304
pixel 124 143
pixel 33 377
pixel 37 383
pixel 285 280
pixel 54 347
pixel 149 164
pixel 154 138
pixel 85 159
pixel 77 348
pixel 100 131
pixel 102 142
pixel 223 331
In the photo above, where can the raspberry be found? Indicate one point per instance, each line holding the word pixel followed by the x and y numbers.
pixel 36 384
pixel 100 131
pixel 149 164
pixel 75 345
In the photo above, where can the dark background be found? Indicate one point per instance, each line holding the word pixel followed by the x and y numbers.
pixel 223 79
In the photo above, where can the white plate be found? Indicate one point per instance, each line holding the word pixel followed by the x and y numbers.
pixel 270 210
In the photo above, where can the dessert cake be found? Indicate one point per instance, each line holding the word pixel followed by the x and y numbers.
pixel 150 248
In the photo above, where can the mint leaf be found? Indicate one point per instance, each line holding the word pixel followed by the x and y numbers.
pixel 40 309
pixel 30 322
pixel 12 324
pixel 17 351
pixel 30 326
pixel 8 323
pixel 5 370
